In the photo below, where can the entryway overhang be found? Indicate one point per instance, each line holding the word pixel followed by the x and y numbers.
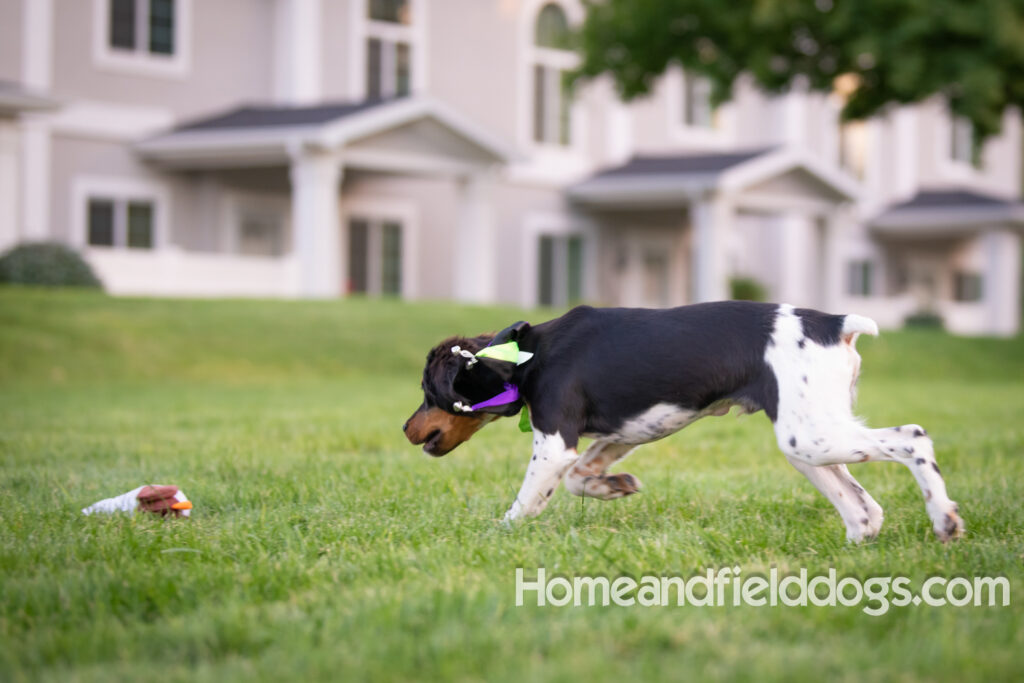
pixel 939 213
pixel 712 190
pixel 405 135
pixel 318 144
pixel 768 178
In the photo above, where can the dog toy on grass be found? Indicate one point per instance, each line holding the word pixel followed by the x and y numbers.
pixel 160 500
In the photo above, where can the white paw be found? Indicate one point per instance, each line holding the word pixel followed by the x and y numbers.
pixel 946 522
pixel 514 512
pixel 864 530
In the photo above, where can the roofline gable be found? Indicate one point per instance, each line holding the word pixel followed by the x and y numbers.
pixel 273 142
pixel 680 187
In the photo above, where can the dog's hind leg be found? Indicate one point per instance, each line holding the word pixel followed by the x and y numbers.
pixel 849 442
pixel 588 476
pixel 551 458
pixel 861 514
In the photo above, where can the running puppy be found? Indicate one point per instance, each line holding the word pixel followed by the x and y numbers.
pixel 626 377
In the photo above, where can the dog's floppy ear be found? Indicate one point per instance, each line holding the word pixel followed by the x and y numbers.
pixel 502 355
pixel 513 332
pixel 487 374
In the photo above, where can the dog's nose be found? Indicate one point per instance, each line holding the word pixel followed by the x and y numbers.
pixel 405 426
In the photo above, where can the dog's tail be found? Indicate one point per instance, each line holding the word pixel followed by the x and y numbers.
pixel 857 324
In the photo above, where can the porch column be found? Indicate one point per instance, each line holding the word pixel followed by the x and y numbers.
pixel 476 257
pixel 711 218
pixel 35 188
pixel 316 226
pixel 8 184
pixel 1001 285
pixel 796 257
pixel 836 226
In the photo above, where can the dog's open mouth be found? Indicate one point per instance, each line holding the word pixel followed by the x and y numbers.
pixel 432 445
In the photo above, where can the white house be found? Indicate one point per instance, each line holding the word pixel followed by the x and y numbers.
pixel 426 149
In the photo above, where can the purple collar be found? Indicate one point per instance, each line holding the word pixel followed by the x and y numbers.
pixel 509 395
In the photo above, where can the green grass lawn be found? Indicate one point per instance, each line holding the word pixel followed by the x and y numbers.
pixel 324 546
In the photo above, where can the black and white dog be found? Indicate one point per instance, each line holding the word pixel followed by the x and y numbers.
pixel 626 377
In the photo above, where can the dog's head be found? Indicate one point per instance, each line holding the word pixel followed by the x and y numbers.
pixel 450 378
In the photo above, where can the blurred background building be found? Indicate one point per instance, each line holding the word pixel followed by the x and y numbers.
pixel 427 149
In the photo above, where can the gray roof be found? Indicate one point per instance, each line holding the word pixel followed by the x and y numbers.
pixel 256 116
pixel 658 180
pixel 928 199
pixel 699 164
pixel 948 211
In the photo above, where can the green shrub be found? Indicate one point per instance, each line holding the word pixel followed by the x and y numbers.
pixel 46 263
pixel 747 289
pixel 925 319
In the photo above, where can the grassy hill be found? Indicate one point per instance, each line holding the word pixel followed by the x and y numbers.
pixel 325 547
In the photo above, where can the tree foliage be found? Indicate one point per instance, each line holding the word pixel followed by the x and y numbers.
pixel 896 51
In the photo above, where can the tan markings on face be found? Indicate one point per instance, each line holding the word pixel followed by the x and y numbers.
pixel 439 431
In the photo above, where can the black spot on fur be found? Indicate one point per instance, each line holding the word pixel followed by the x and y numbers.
pixel 919 433
pixel 920 461
pixel 909 450
pixel 864 520
pixel 821 328
pixel 801 343
pixel 935 466
pixel 792 441
pixel 805 379
pixel 548 494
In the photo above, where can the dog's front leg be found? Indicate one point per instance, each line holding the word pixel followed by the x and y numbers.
pixel 551 458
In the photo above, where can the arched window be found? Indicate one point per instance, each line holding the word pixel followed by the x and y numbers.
pixel 551 100
pixel 552 29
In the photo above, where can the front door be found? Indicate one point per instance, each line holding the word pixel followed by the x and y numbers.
pixel 649 272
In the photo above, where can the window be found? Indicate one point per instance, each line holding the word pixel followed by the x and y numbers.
pixel 142 37
pixel 966 287
pixel 120 223
pixel 697 109
pixel 559 270
pixel 374 257
pixel 388 49
pixel 552 58
pixel 394 11
pixel 962 145
pixel 859 278
pixel 142 26
pixel 550 106
pixel 140 225
pixel 260 234
pixel 853 148
pixel 552 28
pixel 101 222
